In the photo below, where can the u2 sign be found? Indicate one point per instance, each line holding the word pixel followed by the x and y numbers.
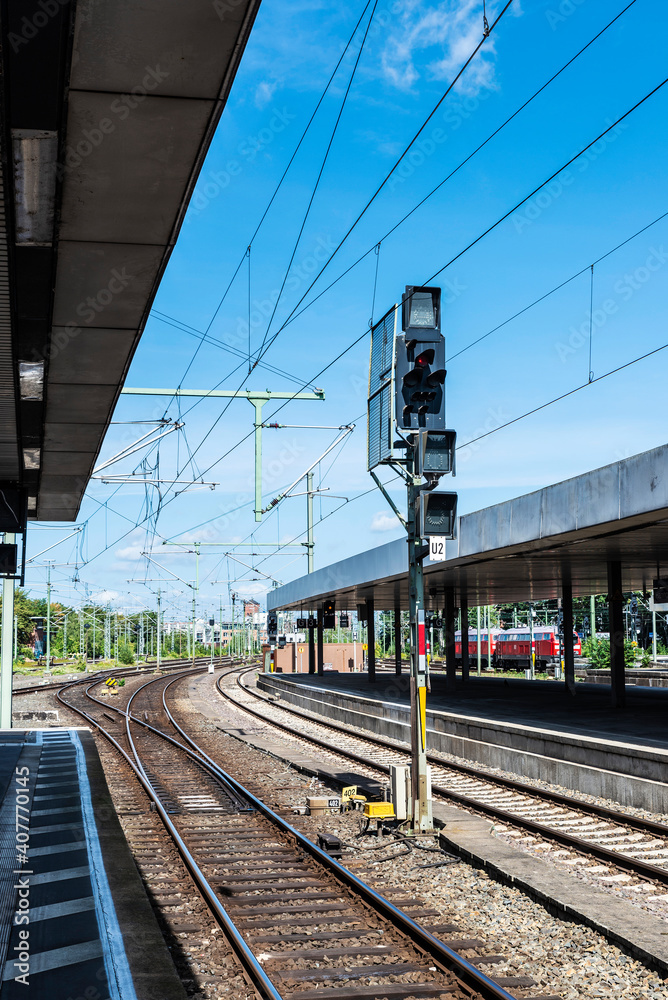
pixel 437 548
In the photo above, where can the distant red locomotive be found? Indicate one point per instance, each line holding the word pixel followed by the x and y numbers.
pixel 513 647
pixel 488 645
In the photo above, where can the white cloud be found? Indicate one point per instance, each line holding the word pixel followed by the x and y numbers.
pixel 382 521
pixel 106 596
pixel 437 40
pixel 131 553
pixel 264 93
pixel 253 588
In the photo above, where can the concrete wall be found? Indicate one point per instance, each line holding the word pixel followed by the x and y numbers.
pixel 340 656
pixel 641 678
pixel 631 776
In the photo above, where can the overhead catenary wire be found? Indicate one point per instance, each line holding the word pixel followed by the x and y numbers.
pixel 397 162
pixel 276 190
pixel 552 176
pixel 577 389
pixel 136 524
pixel 364 334
pixel 556 288
pixel 564 395
pixel 472 243
pixel 214 342
pixel 452 84
pixel 298 312
pixel 316 185
pixel 505 216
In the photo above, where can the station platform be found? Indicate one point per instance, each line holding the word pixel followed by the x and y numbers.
pixel 75 920
pixel 530 728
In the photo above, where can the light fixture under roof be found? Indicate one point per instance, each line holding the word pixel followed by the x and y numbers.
pixel 31 458
pixel 31 379
pixel 35 153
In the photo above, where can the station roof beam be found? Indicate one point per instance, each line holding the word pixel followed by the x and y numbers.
pixel 109 109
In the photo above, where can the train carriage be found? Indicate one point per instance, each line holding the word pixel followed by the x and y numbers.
pixel 488 645
pixel 513 647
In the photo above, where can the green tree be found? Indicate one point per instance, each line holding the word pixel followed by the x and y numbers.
pixel 26 608
pixel 598 653
pixel 126 653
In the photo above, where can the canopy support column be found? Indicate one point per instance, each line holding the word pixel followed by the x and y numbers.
pixel 449 628
pixel 616 606
pixel 397 641
pixel 569 656
pixel 464 614
pixel 371 639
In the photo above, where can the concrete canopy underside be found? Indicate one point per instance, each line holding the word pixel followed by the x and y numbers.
pixel 110 108
pixel 521 550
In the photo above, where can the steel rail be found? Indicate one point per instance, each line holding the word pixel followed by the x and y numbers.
pixel 439 951
pixel 618 859
pixel 251 965
pixel 642 825
pixel 114 672
pixel 449 960
pixel 195 754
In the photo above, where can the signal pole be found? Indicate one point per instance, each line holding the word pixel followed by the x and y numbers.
pixel 407 397
pixel 309 520
pixel 421 792
pixel 158 629
pixel 48 619
pixel 8 588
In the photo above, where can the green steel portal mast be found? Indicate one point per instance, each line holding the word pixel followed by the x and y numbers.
pixel 255 398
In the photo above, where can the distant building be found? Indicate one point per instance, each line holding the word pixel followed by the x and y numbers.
pixel 251 607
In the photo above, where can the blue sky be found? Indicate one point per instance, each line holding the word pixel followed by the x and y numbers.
pixel 412 52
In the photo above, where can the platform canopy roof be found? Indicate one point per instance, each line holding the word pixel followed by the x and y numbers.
pixel 109 107
pixel 523 549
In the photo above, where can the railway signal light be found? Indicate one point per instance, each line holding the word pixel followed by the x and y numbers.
pixel 420 361
pixel 435 452
pixel 421 308
pixel 437 514
pixel 329 615
pixel 272 626
pixel 8 560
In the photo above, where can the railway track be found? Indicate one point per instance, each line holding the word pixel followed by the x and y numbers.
pixel 169 665
pixel 302 925
pixel 613 847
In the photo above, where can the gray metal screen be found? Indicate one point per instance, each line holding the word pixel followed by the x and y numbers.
pixel 381 390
